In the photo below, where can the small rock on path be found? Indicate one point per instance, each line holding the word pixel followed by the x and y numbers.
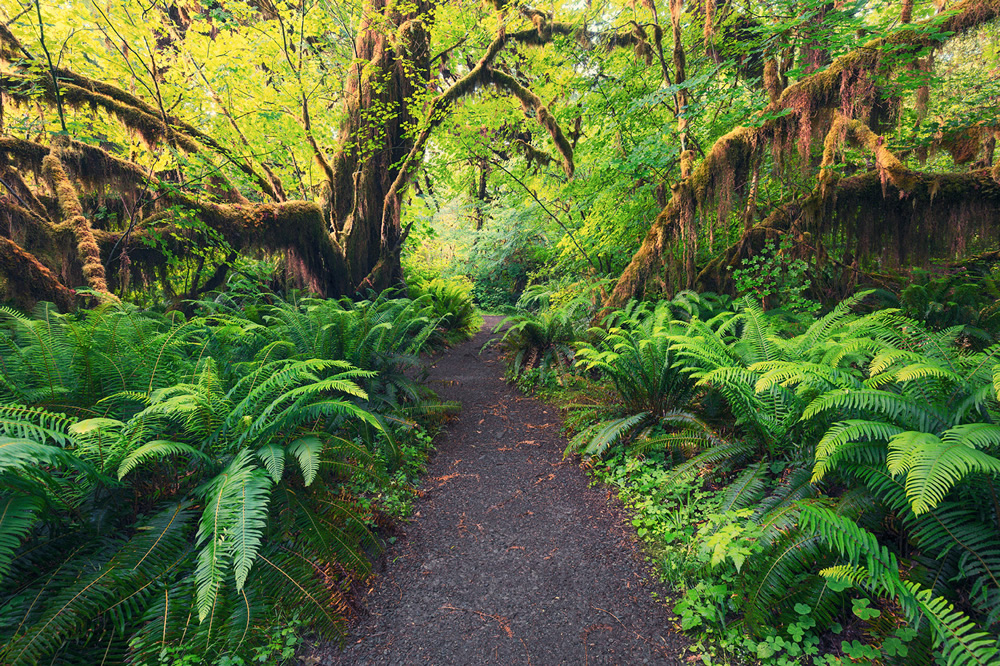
pixel 511 557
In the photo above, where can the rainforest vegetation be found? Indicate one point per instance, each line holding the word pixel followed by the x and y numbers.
pixel 749 246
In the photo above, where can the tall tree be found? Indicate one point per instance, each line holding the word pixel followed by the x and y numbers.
pixel 180 192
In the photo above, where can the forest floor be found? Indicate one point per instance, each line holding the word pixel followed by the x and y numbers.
pixel 510 556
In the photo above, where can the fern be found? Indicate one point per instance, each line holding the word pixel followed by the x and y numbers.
pixel 17 518
pixel 890 406
pixel 235 505
pixel 307 451
pixel 835 444
pixel 933 466
pixel 189 396
pixel 748 487
pixel 874 566
pixel 159 448
pixel 273 457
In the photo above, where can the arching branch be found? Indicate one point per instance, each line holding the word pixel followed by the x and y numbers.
pixel 735 154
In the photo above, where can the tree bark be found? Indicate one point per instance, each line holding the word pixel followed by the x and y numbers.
pixel 376 139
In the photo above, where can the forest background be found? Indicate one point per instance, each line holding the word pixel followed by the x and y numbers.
pixel 790 153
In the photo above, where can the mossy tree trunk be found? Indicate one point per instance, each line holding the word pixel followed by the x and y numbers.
pixel 384 90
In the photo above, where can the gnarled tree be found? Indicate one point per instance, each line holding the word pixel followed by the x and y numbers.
pixel 89 206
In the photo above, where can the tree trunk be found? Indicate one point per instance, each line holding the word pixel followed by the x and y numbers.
pixel 376 138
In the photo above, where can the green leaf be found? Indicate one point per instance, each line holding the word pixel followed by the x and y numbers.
pixel 273 457
pixel 307 451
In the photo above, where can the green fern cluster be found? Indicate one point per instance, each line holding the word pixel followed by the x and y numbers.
pixel 651 391
pixel 544 340
pixel 453 304
pixel 166 486
pixel 868 450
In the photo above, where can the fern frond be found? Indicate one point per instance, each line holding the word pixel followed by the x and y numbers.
pixel 891 406
pixel 790 373
pixel 251 516
pixel 779 511
pixel 273 457
pixel 17 517
pixel 35 423
pixel 975 435
pixel 307 451
pixel 156 450
pixel 596 439
pixel 960 641
pixel 833 447
pixel 728 453
pixel 229 504
pixel 746 489
pixel 933 466
pixel 778 572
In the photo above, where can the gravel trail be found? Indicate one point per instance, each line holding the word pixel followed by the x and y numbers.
pixel 510 557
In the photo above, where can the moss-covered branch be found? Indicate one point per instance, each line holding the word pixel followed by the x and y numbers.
pixel 533 103
pixel 133 112
pixel 72 212
pixel 789 119
pixel 29 279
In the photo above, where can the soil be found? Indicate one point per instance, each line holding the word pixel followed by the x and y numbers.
pixel 511 557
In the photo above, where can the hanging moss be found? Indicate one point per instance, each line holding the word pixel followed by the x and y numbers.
pixel 843 86
pixel 533 102
pixel 28 281
pixel 26 155
pixel 152 124
pixel 72 212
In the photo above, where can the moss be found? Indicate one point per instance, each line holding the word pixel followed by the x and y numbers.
pixel 10 47
pixel 812 101
pixel 72 212
pixel 532 101
pixel 298 227
pixel 28 280
pixel 708 33
pixel 12 179
pixel 27 155
pixel 772 80
pixel 532 155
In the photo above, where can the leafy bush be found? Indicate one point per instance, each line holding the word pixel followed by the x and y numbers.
pixel 952 300
pixel 775 279
pixel 500 261
pixel 453 306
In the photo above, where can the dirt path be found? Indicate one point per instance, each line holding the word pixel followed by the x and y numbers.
pixel 510 558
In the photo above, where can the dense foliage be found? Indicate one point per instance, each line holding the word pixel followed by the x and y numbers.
pixel 173 489
pixel 811 449
pixel 801 476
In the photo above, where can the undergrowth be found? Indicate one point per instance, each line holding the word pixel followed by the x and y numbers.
pixel 203 490
pixel 816 489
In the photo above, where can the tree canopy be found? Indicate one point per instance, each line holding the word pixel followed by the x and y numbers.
pixel 661 143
